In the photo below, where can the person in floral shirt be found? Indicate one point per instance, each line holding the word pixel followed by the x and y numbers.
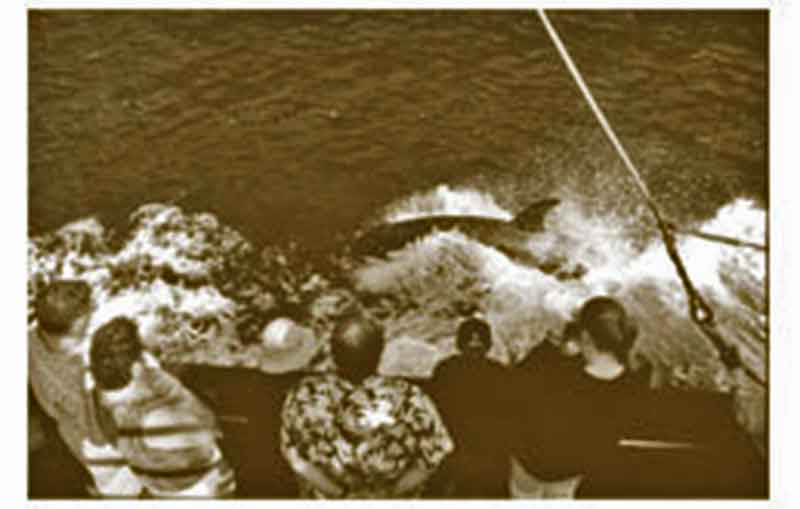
pixel 356 434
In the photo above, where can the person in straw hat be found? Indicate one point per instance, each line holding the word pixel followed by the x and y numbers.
pixel 287 346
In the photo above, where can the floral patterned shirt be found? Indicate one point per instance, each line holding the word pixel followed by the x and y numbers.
pixel 365 435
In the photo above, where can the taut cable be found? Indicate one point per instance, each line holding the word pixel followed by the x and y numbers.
pixel 699 310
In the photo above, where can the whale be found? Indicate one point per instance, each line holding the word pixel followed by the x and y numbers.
pixel 512 237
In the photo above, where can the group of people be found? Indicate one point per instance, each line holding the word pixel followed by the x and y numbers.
pixel 546 427
pixel 135 429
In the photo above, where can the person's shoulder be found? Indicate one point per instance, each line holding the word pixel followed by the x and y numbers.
pixel 545 351
pixel 394 388
pixel 161 382
pixel 496 365
pixel 627 384
pixel 317 387
pixel 320 381
pixel 36 345
pixel 534 357
pixel 461 365
pixel 168 395
pixel 451 364
pixel 548 359
pixel 603 391
pixel 386 383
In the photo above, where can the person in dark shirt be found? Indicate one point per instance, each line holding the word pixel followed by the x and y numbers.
pixel 471 394
pixel 554 357
pixel 571 421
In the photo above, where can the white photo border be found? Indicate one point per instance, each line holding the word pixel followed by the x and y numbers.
pixel 784 295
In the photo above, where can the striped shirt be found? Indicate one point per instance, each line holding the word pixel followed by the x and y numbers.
pixel 57 382
pixel 169 438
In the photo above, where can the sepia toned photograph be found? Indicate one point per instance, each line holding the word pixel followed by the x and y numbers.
pixel 403 254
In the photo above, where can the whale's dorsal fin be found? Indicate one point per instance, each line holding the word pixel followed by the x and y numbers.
pixel 532 218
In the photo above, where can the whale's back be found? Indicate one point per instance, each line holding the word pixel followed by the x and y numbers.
pixel 389 237
pixel 508 236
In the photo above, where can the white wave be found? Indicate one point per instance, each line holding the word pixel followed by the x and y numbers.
pixel 522 303
pixel 446 201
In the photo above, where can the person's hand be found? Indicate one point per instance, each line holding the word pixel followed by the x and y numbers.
pixel 551 337
pixel 729 355
pixel 150 361
pixel 88 381
pixel 410 480
pixel 314 475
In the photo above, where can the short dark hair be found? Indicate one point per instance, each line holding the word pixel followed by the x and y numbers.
pixel 61 303
pixel 357 345
pixel 609 326
pixel 470 328
pixel 116 346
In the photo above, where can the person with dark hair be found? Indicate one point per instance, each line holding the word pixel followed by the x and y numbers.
pixel 55 368
pixel 115 349
pixel 571 420
pixel 56 346
pixel 608 339
pixel 554 357
pixel 357 346
pixel 658 465
pixel 356 434
pixel 474 338
pixel 471 392
pixel 167 436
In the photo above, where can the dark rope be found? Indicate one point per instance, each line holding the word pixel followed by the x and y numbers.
pixel 714 237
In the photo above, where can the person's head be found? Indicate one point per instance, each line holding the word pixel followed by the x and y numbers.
pixel 608 328
pixel 474 337
pixel 63 308
pixel 115 353
pixel 286 346
pixel 357 346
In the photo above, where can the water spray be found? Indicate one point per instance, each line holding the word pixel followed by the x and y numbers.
pixel 699 310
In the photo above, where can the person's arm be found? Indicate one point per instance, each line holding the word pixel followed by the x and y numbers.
pixel 42 379
pixel 413 477
pixel 428 462
pixel 294 419
pixel 97 420
pixel 194 440
pixel 438 432
pixel 313 474
pixel 180 432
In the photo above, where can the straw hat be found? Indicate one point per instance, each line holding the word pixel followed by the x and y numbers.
pixel 287 346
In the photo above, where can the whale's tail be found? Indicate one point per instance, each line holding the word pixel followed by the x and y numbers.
pixel 532 218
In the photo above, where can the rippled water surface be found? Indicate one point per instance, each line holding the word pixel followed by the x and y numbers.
pixel 303 125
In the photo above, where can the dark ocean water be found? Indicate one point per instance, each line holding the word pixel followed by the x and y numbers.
pixel 302 125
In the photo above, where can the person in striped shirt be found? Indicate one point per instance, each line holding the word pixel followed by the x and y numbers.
pixel 57 344
pixel 168 437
